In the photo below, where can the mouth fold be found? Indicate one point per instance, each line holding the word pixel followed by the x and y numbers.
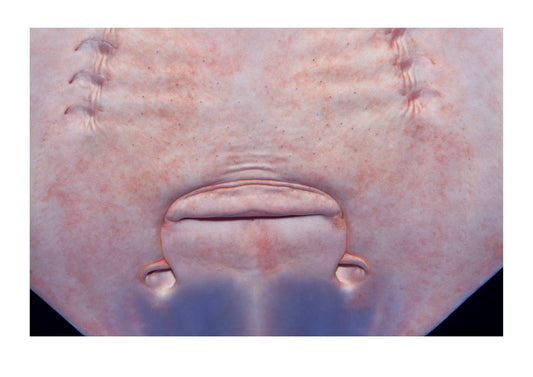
pixel 246 217
pixel 257 199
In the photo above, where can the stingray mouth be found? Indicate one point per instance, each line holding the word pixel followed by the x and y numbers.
pixel 254 231
pixel 252 199
pixel 256 227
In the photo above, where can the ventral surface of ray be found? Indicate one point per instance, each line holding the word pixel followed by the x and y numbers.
pixel 264 181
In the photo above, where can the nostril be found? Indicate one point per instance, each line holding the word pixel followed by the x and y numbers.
pixel 161 279
pixel 351 270
pixel 349 274
pixel 158 276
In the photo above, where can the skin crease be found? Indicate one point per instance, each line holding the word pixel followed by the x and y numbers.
pixel 402 128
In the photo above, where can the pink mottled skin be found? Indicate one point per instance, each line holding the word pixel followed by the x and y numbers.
pixel 401 128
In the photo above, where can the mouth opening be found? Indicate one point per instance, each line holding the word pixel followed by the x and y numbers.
pixel 247 217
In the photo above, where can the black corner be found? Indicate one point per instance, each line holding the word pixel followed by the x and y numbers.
pixel 45 321
pixel 480 315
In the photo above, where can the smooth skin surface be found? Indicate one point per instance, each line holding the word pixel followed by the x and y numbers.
pixel 402 129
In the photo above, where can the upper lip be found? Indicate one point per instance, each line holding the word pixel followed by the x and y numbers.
pixel 252 199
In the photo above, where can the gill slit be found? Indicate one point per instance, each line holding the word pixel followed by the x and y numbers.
pixel 105 46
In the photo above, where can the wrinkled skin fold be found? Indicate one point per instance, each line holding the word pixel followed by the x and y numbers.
pixel 264 181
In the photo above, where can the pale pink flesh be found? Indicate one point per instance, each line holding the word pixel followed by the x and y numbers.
pixel 399 129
